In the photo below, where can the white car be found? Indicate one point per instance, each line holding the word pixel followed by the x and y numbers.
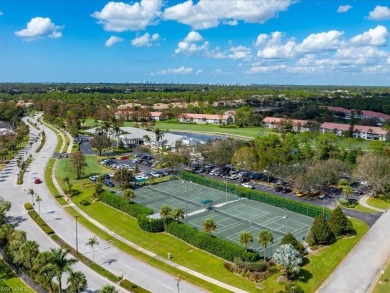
pixel 233 177
pixel 247 185
pixel 155 174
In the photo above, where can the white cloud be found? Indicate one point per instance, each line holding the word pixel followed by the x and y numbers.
pixel 1 12
pixel 189 47
pixel 343 8
pixel 120 17
pixel 193 37
pixel 235 53
pixel 145 40
pixel 266 68
pixel 324 41
pixel 379 13
pixel 199 72
pixel 113 40
pixel 271 46
pixel 178 71
pixel 375 37
pixel 39 27
pixel 207 14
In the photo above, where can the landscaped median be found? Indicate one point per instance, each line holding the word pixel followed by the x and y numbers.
pixel 60 141
pixel 126 284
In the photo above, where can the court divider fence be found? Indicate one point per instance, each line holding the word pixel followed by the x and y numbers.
pixel 260 196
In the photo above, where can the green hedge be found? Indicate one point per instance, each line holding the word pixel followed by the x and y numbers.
pixel 41 144
pixel 34 215
pixel 217 246
pixel 28 206
pixel 19 181
pixel 260 196
pixel 151 225
pixel 133 209
pixel 132 287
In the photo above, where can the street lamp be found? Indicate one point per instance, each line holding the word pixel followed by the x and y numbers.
pixel 77 243
pixel 286 217
pixel 185 181
pixel 226 189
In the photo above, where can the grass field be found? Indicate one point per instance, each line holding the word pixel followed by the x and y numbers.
pixel 8 279
pixel 383 287
pixel 380 202
pixel 364 209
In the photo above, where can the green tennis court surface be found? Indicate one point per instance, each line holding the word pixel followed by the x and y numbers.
pixel 231 216
pixel 174 194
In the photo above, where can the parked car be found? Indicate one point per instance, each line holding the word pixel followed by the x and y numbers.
pixel 155 174
pixel 278 188
pixel 109 184
pixel 286 190
pixel 122 158
pixel 233 177
pixel 93 178
pixel 247 185
pixel 37 181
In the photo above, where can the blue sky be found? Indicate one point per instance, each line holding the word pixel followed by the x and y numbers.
pixel 306 42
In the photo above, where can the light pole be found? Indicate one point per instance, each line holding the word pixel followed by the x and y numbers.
pixel 178 283
pixel 226 189
pixel 77 243
pixel 286 217
pixel 184 181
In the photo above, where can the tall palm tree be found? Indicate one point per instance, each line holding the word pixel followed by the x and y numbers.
pixel 26 255
pixel 76 282
pixel 92 242
pixel 265 237
pixel 129 194
pixel 147 138
pixel 60 264
pixel 117 131
pixel 209 226
pixel 32 193
pixel 246 238
pixel 38 199
pixel 45 274
pixel 165 212
pixel 177 214
pixel 159 135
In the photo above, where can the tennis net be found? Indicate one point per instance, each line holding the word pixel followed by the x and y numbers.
pixel 248 221
pixel 167 194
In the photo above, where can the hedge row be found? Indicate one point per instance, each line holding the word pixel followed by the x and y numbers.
pixel 133 209
pixel 151 225
pixel 217 246
pixel 19 181
pixel 132 287
pixel 41 144
pixel 260 196
pixel 34 215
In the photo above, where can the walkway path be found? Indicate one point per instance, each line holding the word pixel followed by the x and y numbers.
pixel 141 249
pixel 363 202
pixel 359 269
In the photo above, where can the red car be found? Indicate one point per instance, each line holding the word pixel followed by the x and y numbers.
pixel 37 181
pixel 123 158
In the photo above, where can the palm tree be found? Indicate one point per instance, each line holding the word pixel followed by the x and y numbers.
pixel 108 289
pixel 177 214
pixel 159 135
pixel 265 237
pixel 26 254
pixel 246 238
pixel 45 273
pixel 129 194
pixel 32 193
pixel 347 191
pixel 165 212
pixel 76 282
pixel 209 226
pixel 147 138
pixel 92 242
pixel 60 264
pixel 38 199
pixel 117 131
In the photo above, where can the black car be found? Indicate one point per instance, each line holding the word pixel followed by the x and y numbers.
pixel 286 190
pixel 109 184
pixel 278 188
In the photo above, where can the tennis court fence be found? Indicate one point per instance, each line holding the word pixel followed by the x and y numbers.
pixel 167 194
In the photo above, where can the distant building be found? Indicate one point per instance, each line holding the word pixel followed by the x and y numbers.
pixel 206 118
pixel 359 131
pixel 138 116
pixel 6 128
pixel 276 123
pixel 359 114
pixel 24 104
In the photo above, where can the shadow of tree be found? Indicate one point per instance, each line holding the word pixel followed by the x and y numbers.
pixel 304 275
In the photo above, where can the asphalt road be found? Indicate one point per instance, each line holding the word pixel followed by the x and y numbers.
pixel 63 224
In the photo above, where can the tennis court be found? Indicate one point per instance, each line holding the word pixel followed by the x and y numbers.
pixel 174 194
pixel 246 215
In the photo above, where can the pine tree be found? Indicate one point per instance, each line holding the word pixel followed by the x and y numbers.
pixel 320 233
pixel 339 223
pixel 290 239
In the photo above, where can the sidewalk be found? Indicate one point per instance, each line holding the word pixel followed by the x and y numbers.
pixel 139 248
pixel 363 202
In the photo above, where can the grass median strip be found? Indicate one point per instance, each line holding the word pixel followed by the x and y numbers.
pixel 59 136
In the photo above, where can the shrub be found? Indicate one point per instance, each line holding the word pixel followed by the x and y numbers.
pixel 273 270
pixel 339 223
pixel 132 287
pixel 347 203
pixel 41 223
pixel 151 225
pixel 28 206
pixel 290 239
pixel 217 246
pixel 258 266
pixel 291 288
pixel 133 209
pixel 320 233
pixel 259 276
pixel 230 266
pixel 85 202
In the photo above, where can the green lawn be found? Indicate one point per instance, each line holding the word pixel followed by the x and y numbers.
pixel 320 265
pixel 380 202
pixel 364 209
pixel 8 279
pixel 49 182
pixel 59 137
pixel 385 286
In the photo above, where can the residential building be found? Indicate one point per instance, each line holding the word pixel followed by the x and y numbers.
pixel 298 125
pixel 142 115
pixel 359 114
pixel 206 118
pixel 359 131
